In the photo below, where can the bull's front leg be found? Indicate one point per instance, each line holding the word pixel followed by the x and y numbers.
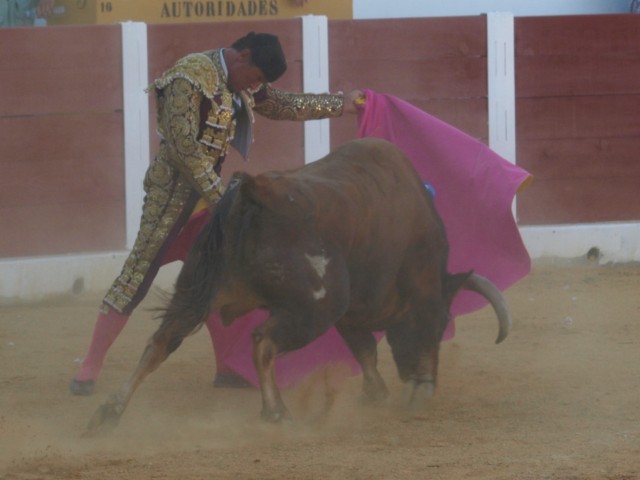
pixel 421 385
pixel 415 351
pixel 364 348
pixel 264 358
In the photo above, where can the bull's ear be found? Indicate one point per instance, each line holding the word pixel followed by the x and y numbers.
pixel 236 179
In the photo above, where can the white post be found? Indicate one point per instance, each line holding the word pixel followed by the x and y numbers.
pixel 136 121
pixel 501 79
pixel 501 83
pixel 315 74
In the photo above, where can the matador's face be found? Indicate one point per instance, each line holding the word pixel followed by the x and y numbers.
pixel 242 74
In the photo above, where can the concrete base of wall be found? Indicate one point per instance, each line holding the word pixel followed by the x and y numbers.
pixel 38 278
pixel 611 242
pixel 34 279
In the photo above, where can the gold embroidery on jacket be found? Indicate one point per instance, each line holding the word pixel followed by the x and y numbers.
pixel 281 105
pixel 220 126
pixel 184 153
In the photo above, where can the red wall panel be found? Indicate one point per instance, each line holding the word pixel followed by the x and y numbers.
pixel 60 70
pixel 578 117
pixel 61 129
pixel 437 64
pixel 61 141
pixel 578 113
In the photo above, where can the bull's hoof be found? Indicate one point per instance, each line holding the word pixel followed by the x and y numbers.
pixel 418 392
pixel 230 380
pixel 105 418
pixel 374 397
pixel 276 416
pixel 374 392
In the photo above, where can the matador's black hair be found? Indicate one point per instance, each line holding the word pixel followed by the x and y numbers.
pixel 266 53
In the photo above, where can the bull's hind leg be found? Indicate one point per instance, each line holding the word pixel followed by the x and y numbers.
pixel 363 345
pixel 167 339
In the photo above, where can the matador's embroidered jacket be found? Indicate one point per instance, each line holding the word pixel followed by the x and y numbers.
pixel 197 123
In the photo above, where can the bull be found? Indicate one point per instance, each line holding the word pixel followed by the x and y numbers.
pixel 353 241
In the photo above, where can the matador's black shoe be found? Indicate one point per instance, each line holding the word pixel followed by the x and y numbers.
pixel 82 387
pixel 230 380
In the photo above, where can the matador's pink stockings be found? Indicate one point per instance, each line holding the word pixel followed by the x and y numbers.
pixel 109 325
pixel 107 328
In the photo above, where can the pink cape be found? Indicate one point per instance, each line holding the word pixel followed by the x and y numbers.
pixel 474 186
pixel 474 191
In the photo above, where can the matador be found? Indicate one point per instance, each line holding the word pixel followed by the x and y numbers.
pixel 205 104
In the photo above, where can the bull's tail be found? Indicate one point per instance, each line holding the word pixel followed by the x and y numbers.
pixel 200 275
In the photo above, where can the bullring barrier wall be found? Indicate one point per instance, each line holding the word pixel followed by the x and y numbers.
pixel 559 95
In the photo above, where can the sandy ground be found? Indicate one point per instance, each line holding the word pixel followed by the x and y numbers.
pixel 559 399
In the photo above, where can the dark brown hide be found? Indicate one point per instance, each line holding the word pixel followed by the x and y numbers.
pixel 352 240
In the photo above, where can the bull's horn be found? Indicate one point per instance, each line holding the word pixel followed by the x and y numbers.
pixel 488 290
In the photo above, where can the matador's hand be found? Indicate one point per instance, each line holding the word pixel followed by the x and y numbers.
pixel 353 101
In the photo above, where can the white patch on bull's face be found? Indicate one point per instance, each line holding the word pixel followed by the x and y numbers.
pixel 319 264
pixel 318 294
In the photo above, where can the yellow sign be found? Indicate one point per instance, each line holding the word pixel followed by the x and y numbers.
pixel 185 11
